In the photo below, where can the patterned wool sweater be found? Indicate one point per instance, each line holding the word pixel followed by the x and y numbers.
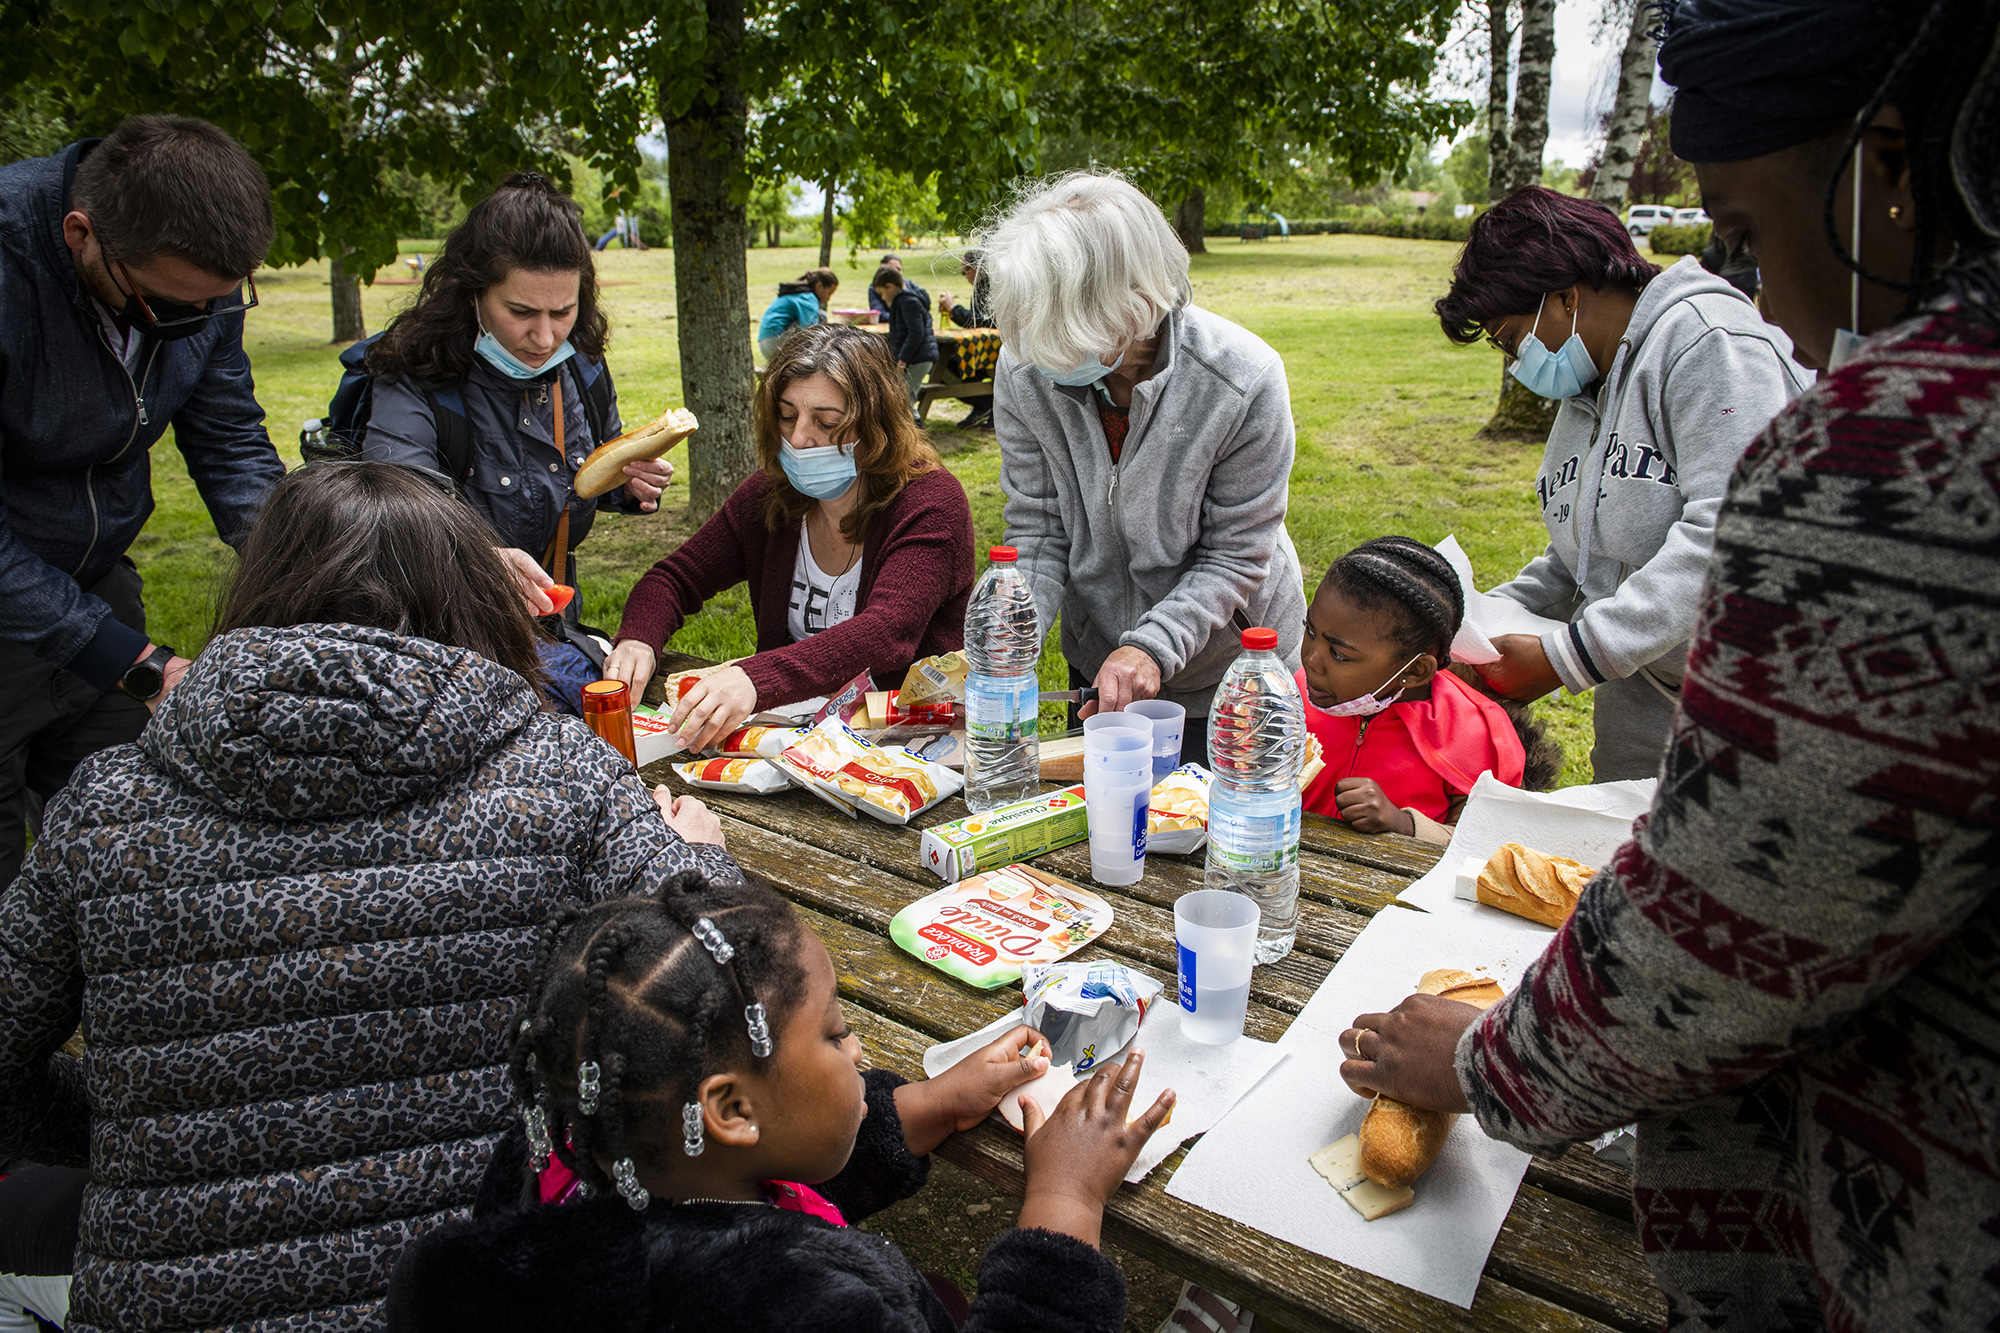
pixel 296 921
pixel 1791 976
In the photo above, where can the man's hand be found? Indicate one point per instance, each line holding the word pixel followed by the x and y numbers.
pixel 1077 1157
pixel 632 662
pixel 968 1092
pixel 531 577
pixel 1368 809
pixel 648 477
pixel 1523 673
pixel 170 676
pixel 1127 676
pixel 717 705
pixel 687 816
pixel 1407 1053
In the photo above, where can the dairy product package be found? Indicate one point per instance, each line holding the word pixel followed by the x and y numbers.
pixel 934 680
pixel 1017 832
pixel 1177 813
pixel 882 781
pixel 756 776
pixel 1089 1012
pixel 652 735
pixel 986 928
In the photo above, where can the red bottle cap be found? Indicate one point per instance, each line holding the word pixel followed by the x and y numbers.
pixel 1260 640
pixel 1002 554
pixel 605 696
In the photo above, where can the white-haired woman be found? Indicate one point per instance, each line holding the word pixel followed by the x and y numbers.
pixel 1146 450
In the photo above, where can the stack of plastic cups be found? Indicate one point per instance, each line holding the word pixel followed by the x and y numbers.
pixel 1168 721
pixel 1117 787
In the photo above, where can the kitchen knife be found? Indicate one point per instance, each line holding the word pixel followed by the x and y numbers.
pixel 1085 695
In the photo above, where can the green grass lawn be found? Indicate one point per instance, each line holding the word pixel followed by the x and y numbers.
pixel 1387 414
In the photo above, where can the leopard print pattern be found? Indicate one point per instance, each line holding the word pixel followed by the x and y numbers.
pixel 296 920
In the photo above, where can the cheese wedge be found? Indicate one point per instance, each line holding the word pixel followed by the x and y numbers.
pixel 1466 883
pixel 1374 1201
pixel 1340 1163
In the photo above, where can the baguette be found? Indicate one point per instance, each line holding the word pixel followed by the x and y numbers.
pixel 1399 1141
pixel 1532 884
pixel 605 467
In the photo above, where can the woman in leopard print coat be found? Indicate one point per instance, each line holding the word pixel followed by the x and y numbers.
pixel 296 920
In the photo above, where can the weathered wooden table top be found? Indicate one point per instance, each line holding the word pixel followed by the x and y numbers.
pixel 1568 1256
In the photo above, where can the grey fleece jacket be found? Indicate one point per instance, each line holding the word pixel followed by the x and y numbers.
pixel 1162 549
pixel 1697 377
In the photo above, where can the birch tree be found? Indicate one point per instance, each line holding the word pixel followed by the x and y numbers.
pixel 1629 110
pixel 1500 46
pixel 1529 132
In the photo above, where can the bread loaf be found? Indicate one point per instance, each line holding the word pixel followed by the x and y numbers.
pixel 1532 884
pixel 605 467
pixel 1451 984
pixel 1399 1141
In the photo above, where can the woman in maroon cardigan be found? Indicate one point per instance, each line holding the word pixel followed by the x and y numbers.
pixel 883 576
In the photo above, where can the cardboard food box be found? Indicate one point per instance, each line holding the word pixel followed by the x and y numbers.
pixel 652 735
pixel 1016 832
pixel 986 928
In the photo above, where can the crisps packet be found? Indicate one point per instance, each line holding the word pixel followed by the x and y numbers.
pixel 934 680
pixel 985 929
pixel 1177 813
pixel 758 742
pixel 735 775
pixel 1088 1011
pixel 882 781
pixel 1315 761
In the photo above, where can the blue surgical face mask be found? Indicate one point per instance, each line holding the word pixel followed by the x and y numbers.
pixel 506 362
pixel 823 473
pixel 1559 374
pixel 1087 373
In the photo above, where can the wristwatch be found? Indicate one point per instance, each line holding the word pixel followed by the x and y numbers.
pixel 148 676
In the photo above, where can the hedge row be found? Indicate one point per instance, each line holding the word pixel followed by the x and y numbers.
pixel 1669 239
pixel 1412 228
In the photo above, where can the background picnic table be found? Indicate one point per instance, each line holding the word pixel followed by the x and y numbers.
pixel 1568 1255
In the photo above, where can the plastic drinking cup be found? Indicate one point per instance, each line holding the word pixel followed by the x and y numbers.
pixel 1168 721
pixel 1117 789
pixel 1215 936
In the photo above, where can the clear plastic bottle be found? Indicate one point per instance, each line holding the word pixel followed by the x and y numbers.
pixel 1003 641
pixel 1256 745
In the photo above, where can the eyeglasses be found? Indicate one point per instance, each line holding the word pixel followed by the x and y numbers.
pixel 204 313
pixel 1498 346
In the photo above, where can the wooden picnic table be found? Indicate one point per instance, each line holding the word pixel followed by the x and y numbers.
pixel 943 383
pixel 1566 1259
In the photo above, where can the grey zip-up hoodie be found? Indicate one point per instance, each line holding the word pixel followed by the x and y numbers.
pixel 1697 377
pixel 1163 549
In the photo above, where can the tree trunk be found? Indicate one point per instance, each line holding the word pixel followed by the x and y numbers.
pixel 1628 112
pixel 773 233
pixel 1530 131
pixel 1499 41
pixel 348 322
pixel 826 227
pixel 711 284
pixel 1519 415
pixel 1191 220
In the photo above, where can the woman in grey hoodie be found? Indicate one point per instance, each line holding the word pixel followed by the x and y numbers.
pixel 1665 377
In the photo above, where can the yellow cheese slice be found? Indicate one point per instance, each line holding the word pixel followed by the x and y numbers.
pixel 1372 1201
pixel 1340 1162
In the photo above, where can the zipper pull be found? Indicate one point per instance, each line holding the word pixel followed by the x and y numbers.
pixel 144 420
pixel 1111 496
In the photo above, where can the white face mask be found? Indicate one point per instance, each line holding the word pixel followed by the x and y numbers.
pixel 1370 704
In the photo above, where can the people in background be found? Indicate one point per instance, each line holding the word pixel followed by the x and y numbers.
pixel 1145 447
pixel 855 541
pixel 1790 977
pixel 1404 739
pixel 338 836
pixel 124 285
pixel 1664 379
pixel 496 377
pixel 799 304
pixel 875 301
pixel 912 343
pixel 978 315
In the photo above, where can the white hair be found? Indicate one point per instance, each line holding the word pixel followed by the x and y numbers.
pixel 1081 267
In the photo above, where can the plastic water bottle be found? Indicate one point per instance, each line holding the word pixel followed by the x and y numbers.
pixel 1003 641
pixel 1256 745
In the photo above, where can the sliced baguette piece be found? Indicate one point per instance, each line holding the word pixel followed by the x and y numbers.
pixel 1452 984
pixel 604 469
pixel 1399 1141
pixel 1532 884
pixel 1062 759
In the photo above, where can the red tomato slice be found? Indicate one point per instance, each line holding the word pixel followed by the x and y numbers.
pixel 561 594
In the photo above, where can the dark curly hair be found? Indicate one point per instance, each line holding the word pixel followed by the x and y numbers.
pixel 525 223
pixel 1533 242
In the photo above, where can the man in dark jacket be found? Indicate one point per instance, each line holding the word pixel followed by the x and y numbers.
pixel 911 340
pixel 122 263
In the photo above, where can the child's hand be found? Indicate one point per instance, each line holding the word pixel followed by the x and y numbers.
pixel 1368 809
pixel 1077 1157
pixel 968 1092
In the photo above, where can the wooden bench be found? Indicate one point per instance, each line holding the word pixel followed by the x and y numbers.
pixel 963 390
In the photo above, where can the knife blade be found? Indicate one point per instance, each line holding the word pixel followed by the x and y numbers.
pixel 1086 695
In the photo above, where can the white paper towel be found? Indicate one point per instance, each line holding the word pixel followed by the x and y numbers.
pixel 1207 1080
pixel 1487 616
pixel 1252 1165
pixel 1586 824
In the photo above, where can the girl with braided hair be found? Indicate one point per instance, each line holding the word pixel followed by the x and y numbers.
pixel 1404 739
pixel 683 1059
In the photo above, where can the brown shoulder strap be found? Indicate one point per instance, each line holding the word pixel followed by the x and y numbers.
pixel 556 561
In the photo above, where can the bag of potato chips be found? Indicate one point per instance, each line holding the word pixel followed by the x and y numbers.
pixel 1177 811
pixel 758 742
pixel 885 782
pixel 985 929
pixel 735 775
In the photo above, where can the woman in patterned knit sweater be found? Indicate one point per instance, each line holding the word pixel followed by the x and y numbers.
pixel 1791 976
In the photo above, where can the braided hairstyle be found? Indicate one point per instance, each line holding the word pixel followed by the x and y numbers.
pixel 1420 591
pixel 628 985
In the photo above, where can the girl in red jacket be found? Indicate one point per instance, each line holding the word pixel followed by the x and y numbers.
pixel 1403 739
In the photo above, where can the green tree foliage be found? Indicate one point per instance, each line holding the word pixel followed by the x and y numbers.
pixel 771 205
pixel 1671 239
pixel 1469 164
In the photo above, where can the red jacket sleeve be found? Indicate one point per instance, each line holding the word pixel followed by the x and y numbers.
pixel 712 560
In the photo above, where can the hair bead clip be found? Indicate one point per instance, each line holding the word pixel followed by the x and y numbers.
pixel 711 939
pixel 539 1146
pixel 760 1030
pixel 626 1177
pixel 691 1142
pixel 586 1087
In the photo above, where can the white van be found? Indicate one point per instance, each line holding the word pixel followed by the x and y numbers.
pixel 1691 217
pixel 1640 219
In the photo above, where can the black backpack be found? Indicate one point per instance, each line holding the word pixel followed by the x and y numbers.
pixel 345 425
